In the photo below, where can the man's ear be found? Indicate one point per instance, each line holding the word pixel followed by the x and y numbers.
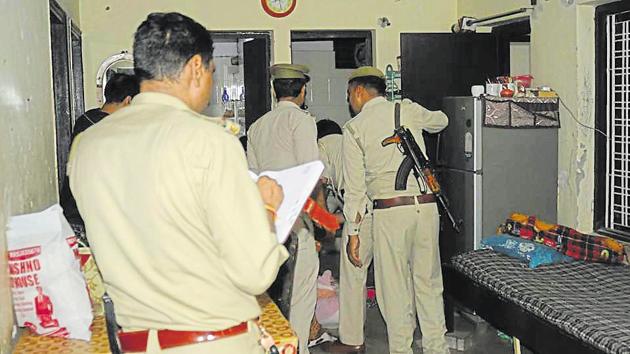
pixel 303 91
pixel 195 65
pixel 126 101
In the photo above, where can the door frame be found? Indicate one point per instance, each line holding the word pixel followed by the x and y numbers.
pixel 514 32
pixel 60 32
pixel 320 35
pixel 226 35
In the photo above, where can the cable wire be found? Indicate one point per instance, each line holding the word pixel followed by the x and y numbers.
pixel 578 122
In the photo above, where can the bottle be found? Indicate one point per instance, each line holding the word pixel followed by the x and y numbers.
pixel 225 98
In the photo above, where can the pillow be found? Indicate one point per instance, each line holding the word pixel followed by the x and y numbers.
pixel 533 253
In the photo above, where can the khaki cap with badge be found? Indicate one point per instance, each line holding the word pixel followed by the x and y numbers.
pixel 289 71
pixel 365 71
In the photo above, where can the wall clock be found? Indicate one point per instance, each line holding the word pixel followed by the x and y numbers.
pixel 278 8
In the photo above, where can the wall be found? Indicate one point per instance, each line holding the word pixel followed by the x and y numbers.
pixel 27 139
pixel 562 56
pixel 520 58
pixel 108 25
pixel 326 96
pixel 72 8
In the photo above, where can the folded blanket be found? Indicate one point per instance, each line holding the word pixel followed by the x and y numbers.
pixel 566 240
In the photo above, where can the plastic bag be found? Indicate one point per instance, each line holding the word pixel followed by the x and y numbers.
pixel 49 292
pixel 327 308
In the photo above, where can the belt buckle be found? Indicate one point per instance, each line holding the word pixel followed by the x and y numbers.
pixel 207 338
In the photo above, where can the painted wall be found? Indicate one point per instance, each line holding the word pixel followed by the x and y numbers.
pixel 27 138
pixel 520 58
pixel 72 8
pixel 108 25
pixel 562 56
pixel 326 94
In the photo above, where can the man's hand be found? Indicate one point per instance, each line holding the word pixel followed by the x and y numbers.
pixel 353 251
pixel 270 191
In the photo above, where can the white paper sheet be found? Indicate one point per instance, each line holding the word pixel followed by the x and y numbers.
pixel 297 184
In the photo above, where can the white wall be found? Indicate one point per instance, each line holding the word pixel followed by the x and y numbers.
pixel 72 8
pixel 326 96
pixel 108 25
pixel 520 62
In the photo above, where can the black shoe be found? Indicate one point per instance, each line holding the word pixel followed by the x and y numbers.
pixel 338 347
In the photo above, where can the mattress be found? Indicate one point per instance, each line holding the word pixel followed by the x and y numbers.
pixel 590 301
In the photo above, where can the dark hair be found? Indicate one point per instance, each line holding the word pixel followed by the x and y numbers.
pixel 119 86
pixel 165 42
pixel 288 87
pixel 371 83
pixel 327 127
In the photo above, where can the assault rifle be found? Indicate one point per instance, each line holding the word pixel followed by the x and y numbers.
pixel 416 161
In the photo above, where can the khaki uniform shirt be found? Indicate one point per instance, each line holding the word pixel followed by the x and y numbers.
pixel 369 169
pixel 285 137
pixel 330 154
pixel 176 224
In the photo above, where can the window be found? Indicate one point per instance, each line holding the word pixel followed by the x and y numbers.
pixel 612 165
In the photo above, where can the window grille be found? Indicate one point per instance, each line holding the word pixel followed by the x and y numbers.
pixel 618 122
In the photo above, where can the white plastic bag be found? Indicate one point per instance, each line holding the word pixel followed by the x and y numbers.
pixel 327 307
pixel 49 292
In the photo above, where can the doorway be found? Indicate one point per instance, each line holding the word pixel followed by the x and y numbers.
pixel 241 80
pixel 331 56
pixel 78 100
pixel 513 47
pixel 67 78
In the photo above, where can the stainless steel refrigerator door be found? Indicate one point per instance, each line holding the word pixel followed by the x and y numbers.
pixel 457 141
pixel 520 174
pixel 459 188
pixel 461 159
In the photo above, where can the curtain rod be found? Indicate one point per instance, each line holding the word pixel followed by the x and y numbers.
pixel 494 17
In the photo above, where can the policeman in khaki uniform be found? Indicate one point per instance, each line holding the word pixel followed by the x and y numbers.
pixel 158 184
pixel 286 137
pixel 352 279
pixel 329 143
pixel 405 223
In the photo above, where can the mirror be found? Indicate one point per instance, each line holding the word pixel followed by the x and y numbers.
pixel 117 63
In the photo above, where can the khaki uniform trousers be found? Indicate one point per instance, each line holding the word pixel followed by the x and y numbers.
pixel 406 252
pixel 352 293
pixel 246 343
pixel 304 291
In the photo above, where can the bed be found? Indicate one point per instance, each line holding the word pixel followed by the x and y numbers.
pixel 565 308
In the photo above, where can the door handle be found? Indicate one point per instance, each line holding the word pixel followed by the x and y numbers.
pixel 468 145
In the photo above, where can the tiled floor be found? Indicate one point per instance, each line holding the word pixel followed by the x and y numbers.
pixel 483 339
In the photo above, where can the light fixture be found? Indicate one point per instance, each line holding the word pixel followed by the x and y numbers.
pixel 384 22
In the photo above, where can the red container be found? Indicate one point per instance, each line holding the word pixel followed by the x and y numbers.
pixel 524 80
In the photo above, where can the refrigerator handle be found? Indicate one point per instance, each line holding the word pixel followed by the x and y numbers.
pixel 468 145
pixel 437 149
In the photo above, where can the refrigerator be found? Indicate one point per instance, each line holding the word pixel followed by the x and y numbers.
pixel 487 173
